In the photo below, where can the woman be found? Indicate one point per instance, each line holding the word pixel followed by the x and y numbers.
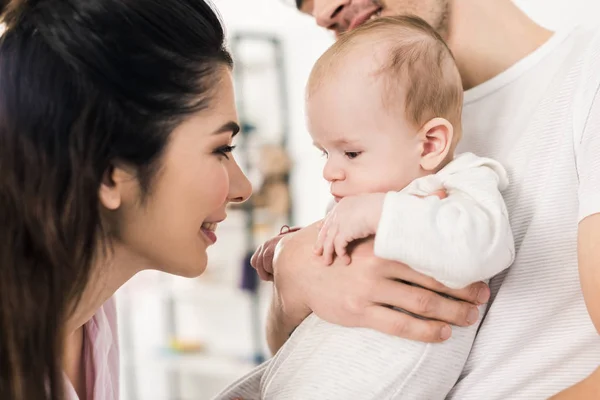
pixel 116 123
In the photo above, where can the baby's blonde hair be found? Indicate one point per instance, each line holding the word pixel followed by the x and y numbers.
pixel 419 62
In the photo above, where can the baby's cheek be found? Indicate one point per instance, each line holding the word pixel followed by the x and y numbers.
pixel 385 184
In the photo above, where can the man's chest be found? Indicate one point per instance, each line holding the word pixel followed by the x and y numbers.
pixel 537 320
pixel 532 136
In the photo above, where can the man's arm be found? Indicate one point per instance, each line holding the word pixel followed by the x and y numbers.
pixel 588 389
pixel 280 324
pixel 358 295
pixel 588 248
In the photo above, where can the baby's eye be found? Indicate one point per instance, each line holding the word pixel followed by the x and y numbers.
pixel 324 154
pixel 352 154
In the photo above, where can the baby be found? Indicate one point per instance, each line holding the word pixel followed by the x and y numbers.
pixel 384 105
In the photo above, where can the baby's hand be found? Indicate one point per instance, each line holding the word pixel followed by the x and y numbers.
pixel 441 193
pixel 354 217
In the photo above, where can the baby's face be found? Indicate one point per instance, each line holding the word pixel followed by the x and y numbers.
pixel 369 148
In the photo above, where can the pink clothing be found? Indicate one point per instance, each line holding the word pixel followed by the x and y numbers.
pixel 101 356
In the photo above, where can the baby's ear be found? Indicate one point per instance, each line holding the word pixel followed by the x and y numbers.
pixel 436 141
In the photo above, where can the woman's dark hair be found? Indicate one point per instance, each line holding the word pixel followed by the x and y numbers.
pixel 82 84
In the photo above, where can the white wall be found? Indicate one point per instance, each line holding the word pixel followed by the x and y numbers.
pixel 556 13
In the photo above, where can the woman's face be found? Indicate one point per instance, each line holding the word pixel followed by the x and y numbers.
pixel 198 176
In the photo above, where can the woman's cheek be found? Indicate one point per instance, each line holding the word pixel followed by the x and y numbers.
pixel 220 185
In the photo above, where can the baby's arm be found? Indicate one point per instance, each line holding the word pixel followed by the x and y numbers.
pixel 459 240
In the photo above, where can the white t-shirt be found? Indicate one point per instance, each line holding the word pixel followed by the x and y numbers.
pixel 541 120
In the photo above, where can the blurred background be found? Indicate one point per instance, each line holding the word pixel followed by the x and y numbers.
pixel 188 338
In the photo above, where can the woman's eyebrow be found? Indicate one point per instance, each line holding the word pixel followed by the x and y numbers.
pixel 230 126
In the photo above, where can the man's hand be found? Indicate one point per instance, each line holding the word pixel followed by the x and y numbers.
pixel 262 259
pixel 361 295
pixel 353 218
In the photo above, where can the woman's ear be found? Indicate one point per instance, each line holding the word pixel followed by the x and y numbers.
pixel 436 138
pixel 115 183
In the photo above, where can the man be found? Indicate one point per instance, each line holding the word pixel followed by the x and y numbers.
pixel 532 103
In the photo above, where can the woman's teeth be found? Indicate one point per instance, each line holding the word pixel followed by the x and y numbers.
pixel 210 226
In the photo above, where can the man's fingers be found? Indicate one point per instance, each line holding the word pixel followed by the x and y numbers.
pixel 477 293
pixel 254 260
pixel 262 259
pixel 264 275
pixel 257 262
pixel 403 325
pixel 425 303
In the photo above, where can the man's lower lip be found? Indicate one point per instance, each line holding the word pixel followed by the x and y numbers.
pixel 210 235
pixel 356 23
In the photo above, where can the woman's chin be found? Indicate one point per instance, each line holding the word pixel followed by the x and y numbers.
pixel 192 269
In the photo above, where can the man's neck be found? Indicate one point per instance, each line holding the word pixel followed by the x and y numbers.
pixel 488 37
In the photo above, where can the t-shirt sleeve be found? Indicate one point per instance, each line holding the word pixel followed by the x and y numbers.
pixel 587 144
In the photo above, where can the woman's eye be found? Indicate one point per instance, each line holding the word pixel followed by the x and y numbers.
pixel 352 154
pixel 224 151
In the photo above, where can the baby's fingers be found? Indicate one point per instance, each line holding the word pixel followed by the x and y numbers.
pixel 341 244
pixel 328 245
pixel 321 237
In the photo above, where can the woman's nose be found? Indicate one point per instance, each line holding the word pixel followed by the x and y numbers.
pixel 240 188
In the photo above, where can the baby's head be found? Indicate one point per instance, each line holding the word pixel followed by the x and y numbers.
pixel 384 104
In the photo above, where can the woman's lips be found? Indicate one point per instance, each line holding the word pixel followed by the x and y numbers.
pixel 208 229
pixel 210 235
